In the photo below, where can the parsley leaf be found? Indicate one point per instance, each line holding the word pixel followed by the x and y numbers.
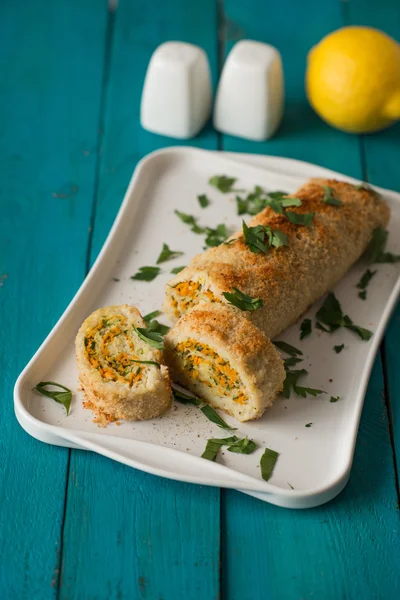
pixel 150 316
pixel 146 273
pixel 156 327
pixel 185 398
pixel 203 200
pixel 334 398
pixel 290 382
pixel 305 328
pixel 364 282
pixel 242 301
pixel 223 183
pixel 244 446
pixel 291 361
pixel 376 250
pixel 214 417
pixel 338 349
pixel 177 270
pixel 216 236
pixel 190 220
pixel 285 347
pixel 167 254
pixel 300 219
pixel 329 197
pixel 267 463
pixel 151 337
pixel 63 398
pixel 308 425
pixel 331 315
pixel 262 237
pixel 258 199
pixel 213 446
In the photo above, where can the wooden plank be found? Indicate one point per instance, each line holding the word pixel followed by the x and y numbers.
pixel 49 103
pixel 128 534
pixel 382 158
pixel 329 552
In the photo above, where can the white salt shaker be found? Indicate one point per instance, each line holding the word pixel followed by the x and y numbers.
pixel 250 95
pixel 176 97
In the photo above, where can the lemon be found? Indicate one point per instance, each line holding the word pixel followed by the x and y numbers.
pixel 353 79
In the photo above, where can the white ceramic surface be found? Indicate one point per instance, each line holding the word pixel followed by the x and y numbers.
pixel 176 97
pixel 316 461
pixel 250 93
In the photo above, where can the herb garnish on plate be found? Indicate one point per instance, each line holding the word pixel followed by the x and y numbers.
pixel 243 301
pixel 167 254
pixel 329 198
pixel 267 463
pixel 262 237
pixel 305 328
pixel 330 317
pixel 376 250
pixel 146 273
pixel 364 282
pixel 63 397
pixel 203 200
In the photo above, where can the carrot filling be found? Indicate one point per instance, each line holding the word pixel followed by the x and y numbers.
pixel 110 348
pixel 188 293
pixel 206 366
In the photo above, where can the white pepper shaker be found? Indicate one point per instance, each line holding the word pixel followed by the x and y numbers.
pixel 250 94
pixel 176 97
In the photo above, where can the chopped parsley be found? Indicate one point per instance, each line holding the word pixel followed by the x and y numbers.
pixel 244 446
pixel 329 198
pixel 151 337
pixel 214 417
pixel 63 397
pixel 290 384
pixel 213 446
pixel 216 236
pixel 305 328
pixel 167 254
pixel 300 219
pixel 334 398
pixel 267 463
pixel 285 347
pixel 258 199
pixel 262 237
pixel 185 398
pixel 364 282
pixel 376 250
pixel 203 200
pixel 150 316
pixel 330 317
pixel 177 270
pixel 146 273
pixel 223 183
pixel 338 349
pixel 243 301
pixel 190 220
pixel 308 425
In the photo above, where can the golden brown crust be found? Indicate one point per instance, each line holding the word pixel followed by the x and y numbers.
pixel 246 349
pixel 289 279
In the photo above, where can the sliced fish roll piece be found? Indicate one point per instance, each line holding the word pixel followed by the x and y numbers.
pixel 121 375
pixel 219 355
pixel 340 219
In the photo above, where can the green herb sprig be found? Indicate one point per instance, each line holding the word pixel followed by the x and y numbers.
pixel 63 397
pixel 150 336
pixel 243 301
pixel 330 317
pixel 203 200
pixel 376 250
pixel 261 238
pixel 305 328
pixel 329 198
pixel 267 463
pixel 167 254
pixel 364 282
pixel 146 273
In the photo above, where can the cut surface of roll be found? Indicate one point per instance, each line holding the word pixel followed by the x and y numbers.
pixel 289 278
pixel 219 355
pixel 122 376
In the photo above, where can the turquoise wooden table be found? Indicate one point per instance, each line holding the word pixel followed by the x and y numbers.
pixel 74 525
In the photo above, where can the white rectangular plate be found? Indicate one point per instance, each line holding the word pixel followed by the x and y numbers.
pixel 315 460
